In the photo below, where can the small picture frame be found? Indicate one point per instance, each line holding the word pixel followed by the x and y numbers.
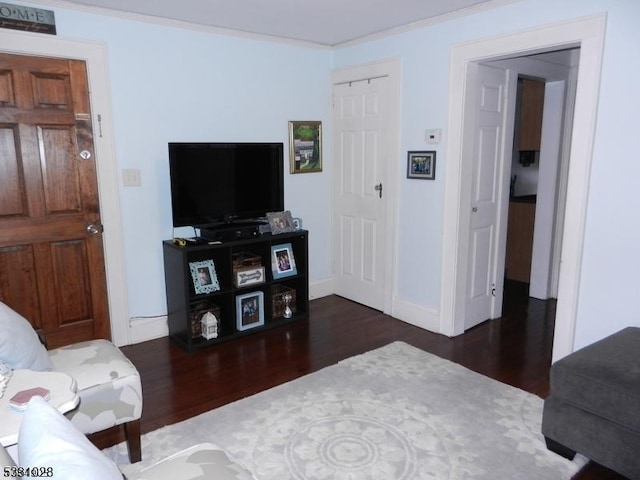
pixel 297 223
pixel 280 222
pixel 249 310
pixel 305 146
pixel 248 276
pixel 283 263
pixel 421 165
pixel 204 276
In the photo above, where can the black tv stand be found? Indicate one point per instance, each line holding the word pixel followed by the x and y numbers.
pixel 186 305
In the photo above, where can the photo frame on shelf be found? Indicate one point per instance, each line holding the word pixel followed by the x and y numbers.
pixel 421 165
pixel 305 146
pixel 203 274
pixel 249 310
pixel 280 222
pixel 283 263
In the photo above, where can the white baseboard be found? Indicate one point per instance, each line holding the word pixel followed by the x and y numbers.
pixel 417 315
pixel 142 329
pixel 322 288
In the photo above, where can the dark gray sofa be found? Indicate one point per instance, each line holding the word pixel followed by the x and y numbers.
pixel 594 404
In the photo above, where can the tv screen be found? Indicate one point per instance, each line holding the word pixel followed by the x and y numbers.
pixel 215 183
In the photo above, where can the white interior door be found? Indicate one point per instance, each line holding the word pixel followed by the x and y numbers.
pixel 360 228
pixel 489 188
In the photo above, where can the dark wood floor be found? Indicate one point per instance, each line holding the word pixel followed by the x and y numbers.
pixel 515 349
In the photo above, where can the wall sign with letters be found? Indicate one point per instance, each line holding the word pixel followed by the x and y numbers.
pixel 18 17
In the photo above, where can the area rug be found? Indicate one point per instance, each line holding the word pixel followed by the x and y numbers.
pixel 393 413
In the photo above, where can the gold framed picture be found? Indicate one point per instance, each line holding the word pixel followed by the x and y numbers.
pixel 305 146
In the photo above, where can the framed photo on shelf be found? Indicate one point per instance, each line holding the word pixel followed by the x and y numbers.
pixel 421 165
pixel 249 310
pixel 280 222
pixel 305 147
pixel 283 263
pixel 204 276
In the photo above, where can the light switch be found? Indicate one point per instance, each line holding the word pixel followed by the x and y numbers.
pixel 131 177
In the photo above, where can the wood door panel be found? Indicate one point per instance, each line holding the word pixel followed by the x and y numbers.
pixel 60 170
pixel 51 91
pixel 7 92
pixel 13 202
pixel 18 282
pixel 69 262
pixel 52 271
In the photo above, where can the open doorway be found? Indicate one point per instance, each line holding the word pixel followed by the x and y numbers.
pixel 588 34
pixel 538 168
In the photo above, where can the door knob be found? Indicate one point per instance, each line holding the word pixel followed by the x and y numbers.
pixel 378 188
pixel 94 229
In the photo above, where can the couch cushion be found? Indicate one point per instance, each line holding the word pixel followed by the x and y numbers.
pixel 603 378
pixel 20 346
pixel 198 462
pixel 48 440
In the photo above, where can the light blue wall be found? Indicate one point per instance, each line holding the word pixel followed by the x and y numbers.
pixel 174 84
pixel 611 260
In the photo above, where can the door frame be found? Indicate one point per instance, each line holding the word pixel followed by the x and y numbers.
pixel 95 56
pixel 390 68
pixel 588 34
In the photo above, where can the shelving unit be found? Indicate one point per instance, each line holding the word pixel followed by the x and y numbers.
pixel 226 297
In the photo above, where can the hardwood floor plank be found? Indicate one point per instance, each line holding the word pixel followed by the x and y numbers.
pixel 515 349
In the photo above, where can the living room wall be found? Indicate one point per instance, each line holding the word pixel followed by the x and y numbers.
pixel 177 84
pixel 609 282
pixel 169 83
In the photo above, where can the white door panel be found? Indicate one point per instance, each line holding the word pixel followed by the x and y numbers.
pixel 359 208
pixel 485 275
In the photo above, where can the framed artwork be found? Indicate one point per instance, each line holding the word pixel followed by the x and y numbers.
pixel 249 310
pixel 204 276
pixel 283 263
pixel 280 222
pixel 421 165
pixel 305 147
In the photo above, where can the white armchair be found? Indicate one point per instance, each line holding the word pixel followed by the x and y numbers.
pixel 52 447
pixel 108 384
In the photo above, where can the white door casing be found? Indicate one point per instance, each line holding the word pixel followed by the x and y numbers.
pixel 492 145
pixel 95 56
pixel 588 34
pixel 364 201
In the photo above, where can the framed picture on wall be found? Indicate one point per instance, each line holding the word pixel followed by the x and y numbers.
pixel 305 147
pixel 421 165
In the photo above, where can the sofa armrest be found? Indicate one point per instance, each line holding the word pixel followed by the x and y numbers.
pixel 205 459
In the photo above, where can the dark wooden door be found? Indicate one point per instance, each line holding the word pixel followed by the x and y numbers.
pixel 51 267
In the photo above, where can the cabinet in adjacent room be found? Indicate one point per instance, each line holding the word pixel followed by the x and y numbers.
pixel 220 291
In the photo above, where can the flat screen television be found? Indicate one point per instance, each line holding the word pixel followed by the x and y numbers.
pixel 219 183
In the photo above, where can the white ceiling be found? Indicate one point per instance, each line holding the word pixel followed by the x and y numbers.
pixel 324 22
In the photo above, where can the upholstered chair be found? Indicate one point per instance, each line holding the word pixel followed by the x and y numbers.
pixel 109 388
pixel 108 384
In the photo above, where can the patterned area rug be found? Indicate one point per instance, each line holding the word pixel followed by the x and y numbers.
pixel 394 413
